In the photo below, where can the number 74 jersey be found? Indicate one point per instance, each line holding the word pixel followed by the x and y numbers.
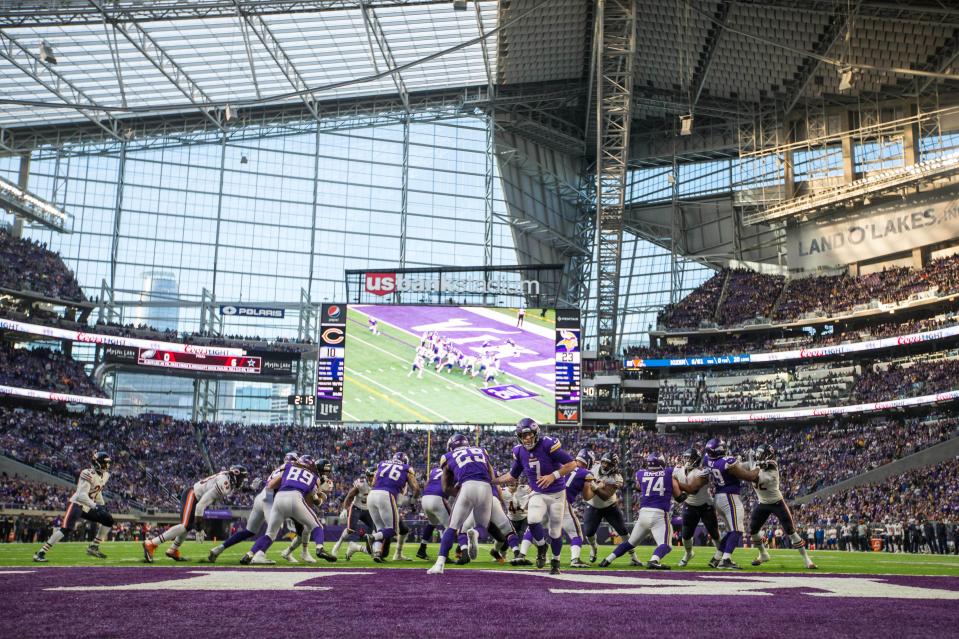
pixel 655 488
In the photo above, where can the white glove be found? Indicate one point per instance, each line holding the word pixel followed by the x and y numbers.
pixel 327 486
pixel 343 516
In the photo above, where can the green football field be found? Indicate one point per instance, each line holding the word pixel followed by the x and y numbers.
pixel 377 386
pixel 131 554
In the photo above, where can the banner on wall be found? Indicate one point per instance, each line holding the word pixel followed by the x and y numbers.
pixel 880 230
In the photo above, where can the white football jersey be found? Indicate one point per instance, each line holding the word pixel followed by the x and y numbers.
pixel 267 493
pixel 613 478
pixel 767 486
pixel 362 492
pixel 701 496
pixel 89 490
pixel 516 502
pixel 220 483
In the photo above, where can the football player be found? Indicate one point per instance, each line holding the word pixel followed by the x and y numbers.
pixel 391 477
pixel 546 464
pixel 259 513
pixel 656 486
pixel 698 506
pixel 771 502
pixel 435 507
pixel 355 512
pixel 298 489
pixel 580 482
pixel 86 502
pixel 373 326
pixel 603 505
pixel 324 486
pixel 418 365
pixel 727 475
pixel 468 468
pixel 196 499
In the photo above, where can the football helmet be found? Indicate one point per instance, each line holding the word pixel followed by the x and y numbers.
pixel 587 457
pixel 290 457
pixel 609 463
pixel 716 447
pixel 370 473
pixel 691 458
pixel 238 475
pixel 101 461
pixel 655 461
pixel 324 467
pixel 458 440
pixel 402 458
pixel 527 432
pixel 307 461
pixel 765 453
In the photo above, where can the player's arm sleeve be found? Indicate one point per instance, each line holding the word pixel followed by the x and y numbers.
pixel 83 492
pixel 517 468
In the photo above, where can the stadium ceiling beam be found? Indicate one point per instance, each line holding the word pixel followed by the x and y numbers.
pixel 56 83
pixel 283 62
pixel 837 25
pixel 43 13
pixel 942 60
pixel 374 32
pixel 164 63
pixel 709 49
pixel 931 12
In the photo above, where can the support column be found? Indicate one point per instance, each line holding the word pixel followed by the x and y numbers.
pixel 117 211
pixel 848 151
pixel 23 180
pixel 219 214
pixel 910 141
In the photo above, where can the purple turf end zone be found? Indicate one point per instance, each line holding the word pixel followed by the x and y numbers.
pixel 208 602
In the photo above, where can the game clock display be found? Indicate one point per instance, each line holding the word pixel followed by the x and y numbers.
pixel 243 364
pixel 568 362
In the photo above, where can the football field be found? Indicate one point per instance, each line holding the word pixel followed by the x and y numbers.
pixel 872 595
pixel 379 386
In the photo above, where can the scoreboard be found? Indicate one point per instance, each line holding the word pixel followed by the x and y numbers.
pixel 329 365
pixel 236 364
pixel 567 366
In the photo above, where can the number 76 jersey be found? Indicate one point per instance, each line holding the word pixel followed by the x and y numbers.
pixel 468 463
pixel 655 488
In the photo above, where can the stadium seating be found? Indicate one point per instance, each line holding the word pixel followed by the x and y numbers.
pixel 44 369
pixel 31 267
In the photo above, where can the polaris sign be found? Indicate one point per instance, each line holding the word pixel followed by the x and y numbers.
pixel 387 283
pixel 252 311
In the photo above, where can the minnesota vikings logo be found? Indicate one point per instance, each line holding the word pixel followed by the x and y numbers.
pixel 569 341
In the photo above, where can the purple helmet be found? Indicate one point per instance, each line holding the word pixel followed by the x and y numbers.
pixel 655 461
pixel 587 457
pixel 527 426
pixel 458 440
pixel 307 461
pixel 401 457
pixel 290 457
pixel 716 447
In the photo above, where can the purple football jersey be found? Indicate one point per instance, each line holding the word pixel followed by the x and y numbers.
pixel 575 482
pixel 469 463
pixel 655 488
pixel 434 486
pixel 545 458
pixel 723 480
pixel 391 476
pixel 296 478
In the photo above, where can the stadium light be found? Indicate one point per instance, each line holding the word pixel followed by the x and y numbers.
pixel 686 124
pixel 459 5
pixel 229 114
pixel 845 80
pixel 46 54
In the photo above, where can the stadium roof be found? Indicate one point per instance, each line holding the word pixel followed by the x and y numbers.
pixel 124 66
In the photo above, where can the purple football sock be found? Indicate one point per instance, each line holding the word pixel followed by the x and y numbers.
pixel 733 542
pixel 536 530
pixel 263 543
pixel 622 549
pixel 576 541
pixel 662 550
pixel 317 535
pixel 556 544
pixel 447 541
pixel 512 541
pixel 237 537
pixel 463 540
pixel 428 533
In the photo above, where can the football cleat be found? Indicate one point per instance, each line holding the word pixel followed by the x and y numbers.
pixel 287 555
pixel 554 566
pixel 729 564
pixel 520 561
pixel 307 557
pixel 655 565
pixel 714 563
pixel 421 553
pixel 246 559
pixel 497 556
pixel 463 559
pixel 592 555
pixel 95 552
pixel 435 569
pixel 352 549
pixel 605 563
pixel 633 561
pixel 577 563
pixel 686 559
pixel 323 554
pixel 148 550
pixel 40 557
pixel 473 537
pixel 401 558
pixel 174 554
pixel 378 558
pixel 760 560
pixel 812 566
pixel 259 559
pixel 541 556
pixel 368 540
pixel 211 558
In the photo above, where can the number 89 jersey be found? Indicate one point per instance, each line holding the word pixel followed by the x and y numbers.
pixel 468 463
pixel 655 488
pixel 298 478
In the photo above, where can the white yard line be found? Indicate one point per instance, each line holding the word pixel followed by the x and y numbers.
pixel 400 394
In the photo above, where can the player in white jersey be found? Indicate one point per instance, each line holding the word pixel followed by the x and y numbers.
pixel 698 506
pixel 355 513
pixel 489 376
pixel 771 502
pixel 86 502
pixel 193 504
pixel 418 365
pixel 259 515
pixel 604 505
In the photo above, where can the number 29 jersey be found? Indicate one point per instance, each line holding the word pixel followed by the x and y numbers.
pixel 655 488
pixel 468 463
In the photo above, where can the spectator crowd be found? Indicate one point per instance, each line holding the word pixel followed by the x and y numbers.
pixel 31 267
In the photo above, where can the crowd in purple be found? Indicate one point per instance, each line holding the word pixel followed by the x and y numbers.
pixel 732 297
pixel 30 266
pixel 44 369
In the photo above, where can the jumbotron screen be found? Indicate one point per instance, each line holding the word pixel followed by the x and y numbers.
pixel 446 364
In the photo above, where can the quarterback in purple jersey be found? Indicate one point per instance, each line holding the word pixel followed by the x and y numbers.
pixel 546 464
pixel 392 477
pixel 467 471
pixel 656 485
